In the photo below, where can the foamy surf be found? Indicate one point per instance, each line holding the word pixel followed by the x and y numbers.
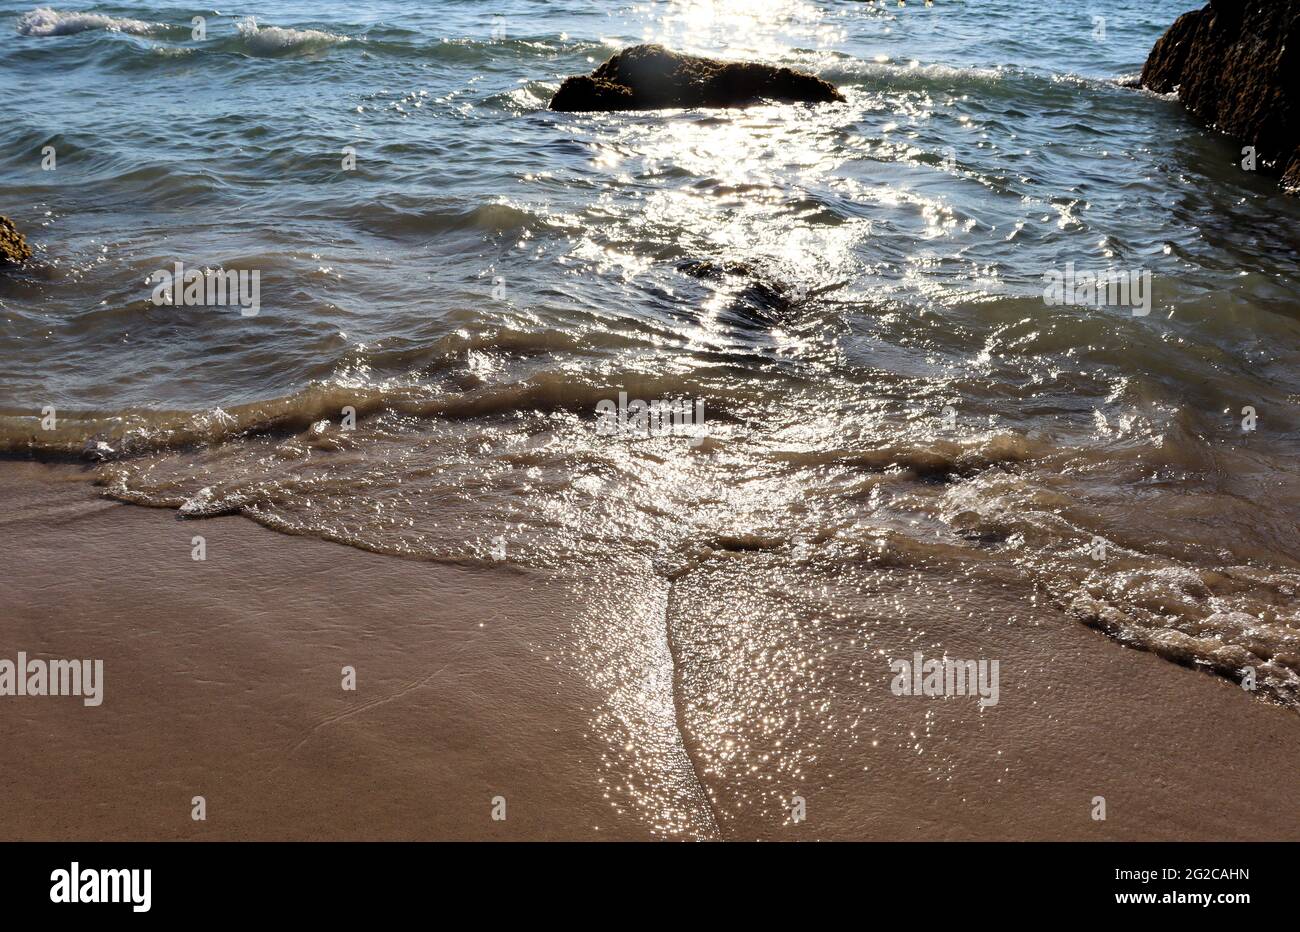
pixel 275 40
pixel 44 21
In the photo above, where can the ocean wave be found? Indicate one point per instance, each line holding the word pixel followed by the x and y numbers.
pixel 100 436
pixel 276 40
pixel 44 21
pixel 859 71
pixel 409 217
pixel 94 435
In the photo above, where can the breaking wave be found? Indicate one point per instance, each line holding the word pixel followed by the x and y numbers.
pixel 44 21
pixel 276 40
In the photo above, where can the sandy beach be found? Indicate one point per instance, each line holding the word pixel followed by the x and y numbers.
pixel 222 678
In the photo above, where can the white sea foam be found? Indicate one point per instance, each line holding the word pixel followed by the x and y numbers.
pixel 268 40
pixel 44 21
pixel 883 67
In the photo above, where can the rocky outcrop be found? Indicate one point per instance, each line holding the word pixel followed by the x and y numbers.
pixel 650 77
pixel 1236 65
pixel 13 245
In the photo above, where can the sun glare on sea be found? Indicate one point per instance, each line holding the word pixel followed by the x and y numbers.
pixel 757 28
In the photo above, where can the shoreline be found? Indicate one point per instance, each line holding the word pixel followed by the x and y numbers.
pixel 600 709
pixel 223 678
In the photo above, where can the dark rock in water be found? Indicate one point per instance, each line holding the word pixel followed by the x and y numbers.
pixel 1236 65
pixel 707 268
pixel 649 77
pixel 13 245
pixel 765 293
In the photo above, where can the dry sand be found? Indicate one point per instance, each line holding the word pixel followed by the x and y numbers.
pixel 612 707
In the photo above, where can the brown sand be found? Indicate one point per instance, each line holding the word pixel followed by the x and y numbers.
pixel 223 679
pixel 601 708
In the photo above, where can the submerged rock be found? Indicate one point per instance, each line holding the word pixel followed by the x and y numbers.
pixel 765 292
pixel 650 77
pixel 1236 65
pixel 13 245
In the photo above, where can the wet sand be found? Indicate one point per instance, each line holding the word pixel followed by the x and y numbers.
pixel 617 706
pixel 223 679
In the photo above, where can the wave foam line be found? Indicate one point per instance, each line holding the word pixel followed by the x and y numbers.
pixel 44 21
pixel 271 39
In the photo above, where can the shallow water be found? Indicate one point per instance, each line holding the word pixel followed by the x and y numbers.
pixel 883 383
